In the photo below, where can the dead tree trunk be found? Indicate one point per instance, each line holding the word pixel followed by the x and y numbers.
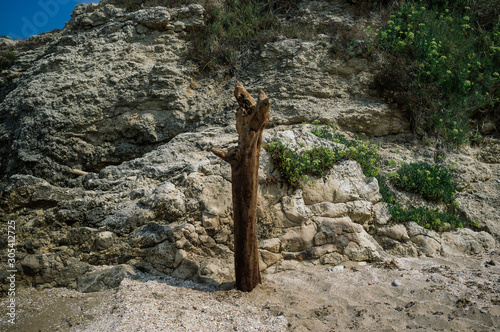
pixel 251 119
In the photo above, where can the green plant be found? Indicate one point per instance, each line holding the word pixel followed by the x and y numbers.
pixel 364 152
pixel 433 182
pixel 429 218
pixel 7 59
pixel 385 191
pixel 295 167
pixel 444 58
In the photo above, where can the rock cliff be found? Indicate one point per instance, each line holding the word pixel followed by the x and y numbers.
pixel 104 154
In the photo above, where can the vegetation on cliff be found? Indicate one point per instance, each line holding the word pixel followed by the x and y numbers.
pixel 444 66
pixel 443 55
pixel 295 167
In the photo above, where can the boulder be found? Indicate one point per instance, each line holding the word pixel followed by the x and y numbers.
pixel 350 238
pixel 50 270
pixel 105 279
pixel 151 234
pixel 298 238
pixel 330 210
pixel 466 241
pixel 295 209
pixel 427 242
pixel 397 232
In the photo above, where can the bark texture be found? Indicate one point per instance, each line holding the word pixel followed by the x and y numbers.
pixel 251 119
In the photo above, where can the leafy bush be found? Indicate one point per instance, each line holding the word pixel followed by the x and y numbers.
pixel 433 182
pixel 430 219
pixel 233 28
pixel 434 219
pixel 7 59
pixel 294 167
pixel 364 152
pixel 444 71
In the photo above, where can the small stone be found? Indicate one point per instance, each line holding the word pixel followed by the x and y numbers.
pixel 490 262
pixel 396 283
pixel 336 268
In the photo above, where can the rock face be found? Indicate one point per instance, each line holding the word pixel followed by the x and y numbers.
pixel 169 212
pixel 110 88
pixel 114 85
pixel 113 95
pixel 104 279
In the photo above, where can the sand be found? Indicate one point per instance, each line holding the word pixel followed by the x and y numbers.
pixel 421 294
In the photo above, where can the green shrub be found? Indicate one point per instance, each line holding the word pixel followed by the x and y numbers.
pixel 432 182
pixel 364 152
pixel 7 59
pixel 385 191
pixel 233 28
pixel 430 219
pixel 295 167
pixel 444 69
pixel 434 219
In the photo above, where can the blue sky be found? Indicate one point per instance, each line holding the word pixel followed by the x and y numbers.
pixel 23 18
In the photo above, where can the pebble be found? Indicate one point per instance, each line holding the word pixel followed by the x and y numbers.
pixel 336 268
pixel 490 262
pixel 396 283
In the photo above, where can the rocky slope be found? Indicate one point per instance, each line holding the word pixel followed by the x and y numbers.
pixel 104 155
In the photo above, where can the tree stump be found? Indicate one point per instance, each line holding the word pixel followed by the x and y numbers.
pixel 251 119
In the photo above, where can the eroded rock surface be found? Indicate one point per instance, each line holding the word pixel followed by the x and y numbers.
pixel 114 96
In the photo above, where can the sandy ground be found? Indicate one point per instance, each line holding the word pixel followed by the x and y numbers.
pixel 425 294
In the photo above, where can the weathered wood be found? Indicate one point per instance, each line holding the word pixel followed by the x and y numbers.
pixel 251 119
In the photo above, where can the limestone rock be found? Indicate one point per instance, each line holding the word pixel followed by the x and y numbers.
pixel 380 213
pixel 104 240
pixel 270 258
pixel 295 208
pixel 330 210
pixel 482 207
pixel 298 238
pixel 82 237
pixel 325 88
pixel 272 245
pixel 112 97
pixel 322 190
pixel 186 270
pixel 360 211
pixel 162 256
pixel 397 232
pixel 351 239
pixel 167 201
pixel 49 270
pixel 333 258
pixel 427 242
pixel 150 235
pixel 466 241
pixel 105 279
